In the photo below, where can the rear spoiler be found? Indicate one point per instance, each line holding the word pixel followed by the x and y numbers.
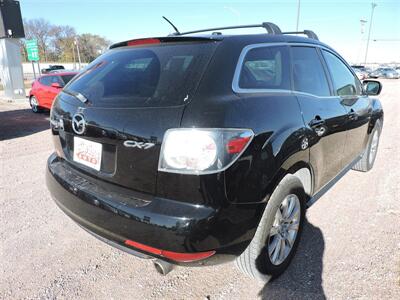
pixel 168 39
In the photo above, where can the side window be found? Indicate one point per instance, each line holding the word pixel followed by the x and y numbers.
pixel 46 80
pixel 308 72
pixel 344 82
pixel 266 68
pixel 57 79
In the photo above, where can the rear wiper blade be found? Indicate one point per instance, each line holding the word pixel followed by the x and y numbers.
pixel 77 95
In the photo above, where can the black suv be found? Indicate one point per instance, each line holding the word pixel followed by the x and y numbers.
pixel 52 68
pixel 199 149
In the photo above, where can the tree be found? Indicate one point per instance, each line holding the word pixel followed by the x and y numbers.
pixel 63 43
pixel 56 43
pixel 91 46
pixel 41 30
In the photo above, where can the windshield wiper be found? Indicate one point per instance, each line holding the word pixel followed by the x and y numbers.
pixel 77 95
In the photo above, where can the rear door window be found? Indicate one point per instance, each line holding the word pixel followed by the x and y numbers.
pixel 308 72
pixel 162 75
pixel 265 68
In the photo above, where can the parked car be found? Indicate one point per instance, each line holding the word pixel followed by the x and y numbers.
pixel 62 71
pixel 52 68
pixel 360 74
pixel 46 88
pixel 385 73
pixel 364 70
pixel 202 149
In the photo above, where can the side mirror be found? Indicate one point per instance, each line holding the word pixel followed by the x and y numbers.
pixel 56 85
pixel 372 87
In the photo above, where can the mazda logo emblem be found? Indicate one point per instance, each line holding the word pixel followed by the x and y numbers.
pixel 78 123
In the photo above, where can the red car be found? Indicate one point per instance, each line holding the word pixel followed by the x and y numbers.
pixel 45 89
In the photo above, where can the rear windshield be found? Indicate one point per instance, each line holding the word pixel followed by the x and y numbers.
pixel 162 75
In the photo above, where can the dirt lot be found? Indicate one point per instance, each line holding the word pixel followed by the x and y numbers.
pixel 350 247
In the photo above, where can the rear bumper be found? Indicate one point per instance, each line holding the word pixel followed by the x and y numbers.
pixel 155 222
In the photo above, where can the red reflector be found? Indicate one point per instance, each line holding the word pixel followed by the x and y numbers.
pixel 237 145
pixel 181 257
pixel 143 42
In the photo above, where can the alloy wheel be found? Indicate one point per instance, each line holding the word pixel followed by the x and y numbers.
pixel 374 147
pixel 284 230
pixel 34 104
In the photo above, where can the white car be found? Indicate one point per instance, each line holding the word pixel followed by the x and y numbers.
pixel 360 74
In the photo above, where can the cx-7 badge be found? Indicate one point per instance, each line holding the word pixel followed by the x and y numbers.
pixel 139 145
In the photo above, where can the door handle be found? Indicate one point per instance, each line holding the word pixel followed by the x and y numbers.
pixel 318 125
pixel 316 122
pixel 353 115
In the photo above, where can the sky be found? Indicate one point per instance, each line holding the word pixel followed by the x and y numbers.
pixel 336 22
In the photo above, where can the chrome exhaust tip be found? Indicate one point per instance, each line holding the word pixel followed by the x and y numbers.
pixel 163 267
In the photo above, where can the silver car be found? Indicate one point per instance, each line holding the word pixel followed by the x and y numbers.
pixel 385 73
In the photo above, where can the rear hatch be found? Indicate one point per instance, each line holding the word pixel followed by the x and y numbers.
pixel 127 99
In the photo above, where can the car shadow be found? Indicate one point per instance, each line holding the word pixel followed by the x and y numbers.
pixel 303 278
pixel 22 122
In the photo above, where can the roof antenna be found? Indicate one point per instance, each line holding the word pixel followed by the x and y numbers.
pixel 176 29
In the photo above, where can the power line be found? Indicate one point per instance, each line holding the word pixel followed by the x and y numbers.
pixel 382 40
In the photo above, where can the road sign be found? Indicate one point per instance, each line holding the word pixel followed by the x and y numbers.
pixel 32 49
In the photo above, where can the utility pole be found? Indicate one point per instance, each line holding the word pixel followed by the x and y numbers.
pixel 73 54
pixel 298 15
pixel 373 5
pixel 362 24
pixel 77 51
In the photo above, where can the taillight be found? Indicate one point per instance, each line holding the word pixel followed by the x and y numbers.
pixel 236 145
pixel 202 151
pixel 176 256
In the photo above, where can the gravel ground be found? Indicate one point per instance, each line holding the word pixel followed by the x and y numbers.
pixel 350 247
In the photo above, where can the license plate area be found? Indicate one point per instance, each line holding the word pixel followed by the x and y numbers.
pixel 87 153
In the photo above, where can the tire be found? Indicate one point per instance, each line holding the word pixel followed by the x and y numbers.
pixel 368 159
pixel 34 103
pixel 255 261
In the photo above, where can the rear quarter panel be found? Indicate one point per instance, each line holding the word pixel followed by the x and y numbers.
pixel 276 148
pixel 376 114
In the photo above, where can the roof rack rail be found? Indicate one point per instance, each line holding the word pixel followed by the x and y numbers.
pixel 309 33
pixel 270 27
